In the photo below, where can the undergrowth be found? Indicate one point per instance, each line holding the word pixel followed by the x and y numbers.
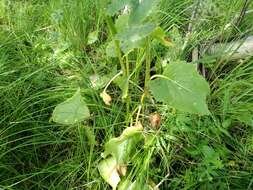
pixel 51 50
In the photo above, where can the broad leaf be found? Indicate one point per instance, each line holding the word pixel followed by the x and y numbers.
pixel 71 111
pixel 99 79
pixel 121 23
pixel 136 33
pixel 98 82
pixel 142 11
pixel 182 88
pixel 122 148
pixel 133 37
pixel 111 49
pixel 108 170
pixel 117 5
pixel 128 46
pixel 126 184
pixel 123 84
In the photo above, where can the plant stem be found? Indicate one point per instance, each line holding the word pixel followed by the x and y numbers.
pixel 113 32
pixel 127 66
pixel 128 98
pixel 112 79
pixel 148 65
pixel 137 69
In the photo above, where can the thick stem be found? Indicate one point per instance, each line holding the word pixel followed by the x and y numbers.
pixel 113 31
pixel 125 68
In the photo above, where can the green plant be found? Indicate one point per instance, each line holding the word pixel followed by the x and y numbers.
pixel 133 35
pixel 50 49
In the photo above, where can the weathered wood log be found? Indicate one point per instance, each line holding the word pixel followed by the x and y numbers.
pixel 233 50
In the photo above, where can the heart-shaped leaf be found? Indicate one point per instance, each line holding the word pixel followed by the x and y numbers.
pixel 127 185
pixel 117 5
pixel 71 111
pixel 142 11
pixel 122 147
pixel 128 46
pixel 133 37
pixel 182 87
pixel 121 23
pixel 111 49
pixel 136 33
pixel 108 170
pixel 123 84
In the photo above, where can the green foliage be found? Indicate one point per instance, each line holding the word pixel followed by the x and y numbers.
pixel 119 152
pixel 211 157
pixel 111 50
pixel 182 87
pixel 117 5
pixel 159 35
pixel 107 169
pixel 131 30
pixel 133 37
pixel 141 11
pixel 128 185
pixel 50 48
pixel 123 84
pixel 71 111
pixel 122 148
pixel 122 23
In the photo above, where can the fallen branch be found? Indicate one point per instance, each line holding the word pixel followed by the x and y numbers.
pixel 234 50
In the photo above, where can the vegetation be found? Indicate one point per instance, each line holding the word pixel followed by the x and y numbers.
pixel 102 94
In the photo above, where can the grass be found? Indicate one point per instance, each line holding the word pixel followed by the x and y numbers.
pixel 44 57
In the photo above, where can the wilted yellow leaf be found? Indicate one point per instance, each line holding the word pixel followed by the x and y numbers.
pixel 108 170
pixel 106 98
pixel 122 170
